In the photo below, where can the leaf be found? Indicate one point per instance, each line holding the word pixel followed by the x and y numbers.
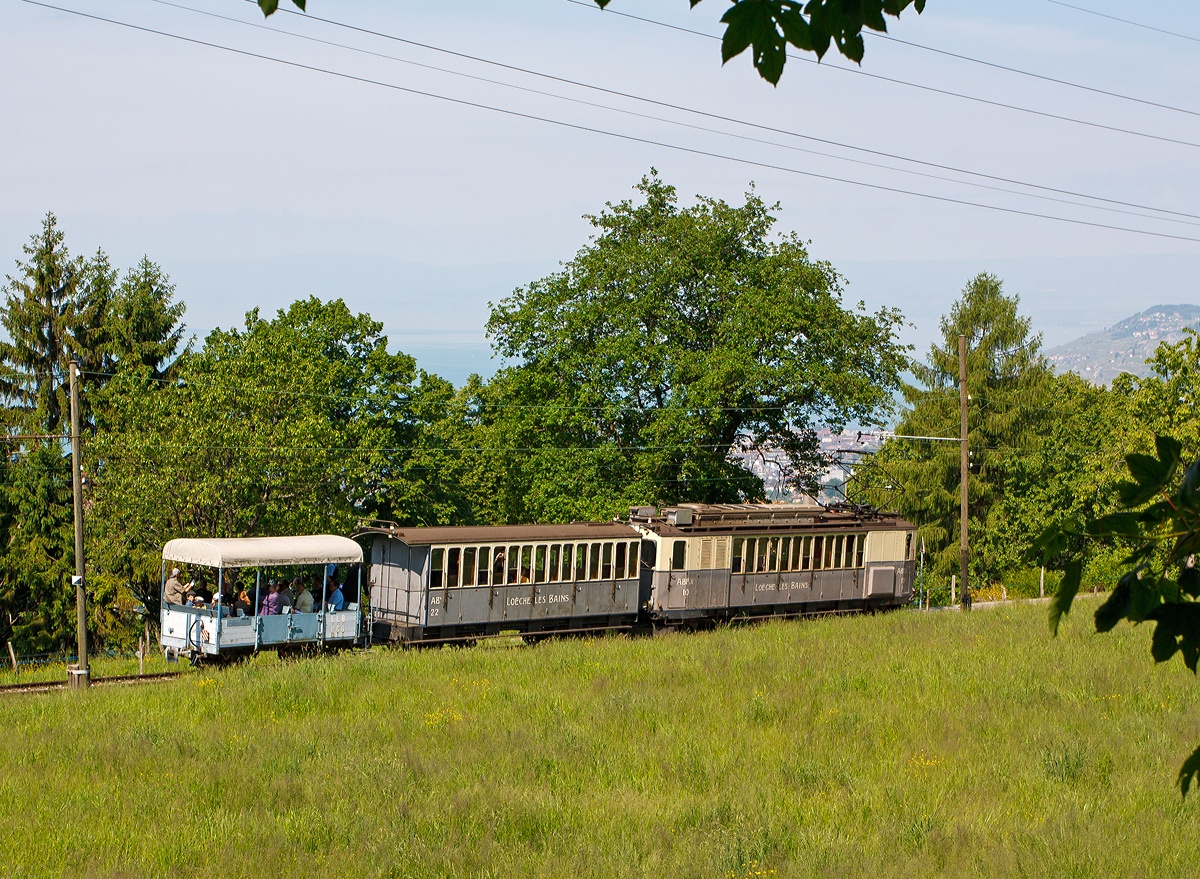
pixel 1061 603
pixel 1116 608
pixel 1144 595
pixel 1178 630
pixel 746 20
pixel 1123 524
pixel 1048 545
pixel 1188 772
pixel 1189 582
pixel 268 6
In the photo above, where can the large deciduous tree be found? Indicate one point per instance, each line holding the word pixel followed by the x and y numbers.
pixel 676 339
pixel 296 425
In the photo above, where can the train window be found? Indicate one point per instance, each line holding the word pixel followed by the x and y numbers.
pixel 706 546
pixel 679 555
pixel 633 556
pixel 566 562
pixel 481 578
pixel 594 562
pixel 720 560
pixel 436 564
pixel 850 539
pixel 650 558
pixel 858 555
pixel 774 559
pixel 606 569
pixel 751 549
pixel 806 554
pixel 526 563
pixel 452 560
pixel 762 555
pixel 514 561
pixel 539 564
pixel 908 545
pixel 735 564
pixel 622 548
pixel 829 558
pixel 555 551
pixel 498 566
pixel 581 562
pixel 785 550
pixel 818 544
pixel 469 566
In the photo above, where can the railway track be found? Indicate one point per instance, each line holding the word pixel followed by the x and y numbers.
pixel 47 686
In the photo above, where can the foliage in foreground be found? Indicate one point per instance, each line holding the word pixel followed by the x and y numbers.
pixel 901 745
pixel 1159 522
pixel 767 27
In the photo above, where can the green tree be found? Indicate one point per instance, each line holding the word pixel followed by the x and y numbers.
pixel 768 27
pixel 39 557
pixel 1009 384
pixel 143 328
pixel 677 339
pixel 41 316
pixel 299 424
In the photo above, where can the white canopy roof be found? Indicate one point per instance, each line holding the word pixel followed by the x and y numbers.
pixel 253 552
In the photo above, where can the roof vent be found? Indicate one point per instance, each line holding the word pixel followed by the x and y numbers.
pixel 679 517
pixel 642 512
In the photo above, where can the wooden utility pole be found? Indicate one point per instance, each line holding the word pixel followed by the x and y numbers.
pixel 80 676
pixel 964 468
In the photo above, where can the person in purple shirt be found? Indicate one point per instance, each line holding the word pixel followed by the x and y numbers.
pixel 272 603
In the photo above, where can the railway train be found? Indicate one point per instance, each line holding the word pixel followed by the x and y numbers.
pixel 685 566
pixel 689 565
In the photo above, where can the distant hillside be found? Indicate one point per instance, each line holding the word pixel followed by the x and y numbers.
pixel 1124 347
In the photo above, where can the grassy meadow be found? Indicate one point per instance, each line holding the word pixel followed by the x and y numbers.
pixel 909 744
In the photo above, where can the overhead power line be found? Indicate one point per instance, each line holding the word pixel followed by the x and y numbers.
pixel 616 135
pixel 667 121
pixel 1147 27
pixel 946 92
pixel 758 126
pixel 1039 76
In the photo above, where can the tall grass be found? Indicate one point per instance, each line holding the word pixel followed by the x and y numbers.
pixel 909 744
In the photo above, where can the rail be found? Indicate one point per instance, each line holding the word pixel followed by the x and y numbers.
pixel 47 686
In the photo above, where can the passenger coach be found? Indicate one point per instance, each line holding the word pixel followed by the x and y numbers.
pixel 717 561
pixel 431 584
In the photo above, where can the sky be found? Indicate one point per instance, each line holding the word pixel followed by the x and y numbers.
pixel 254 183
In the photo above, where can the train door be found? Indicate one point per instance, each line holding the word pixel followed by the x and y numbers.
pixel 679 583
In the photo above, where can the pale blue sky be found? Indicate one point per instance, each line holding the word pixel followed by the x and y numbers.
pixel 254 183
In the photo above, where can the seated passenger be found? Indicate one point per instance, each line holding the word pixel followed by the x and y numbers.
pixel 335 601
pixel 285 589
pixel 174 592
pixel 304 598
pixel 243 601
pixel 284 599
pixel 200 593
pixel 270 603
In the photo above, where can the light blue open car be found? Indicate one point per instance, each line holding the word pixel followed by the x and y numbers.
pixel 215 631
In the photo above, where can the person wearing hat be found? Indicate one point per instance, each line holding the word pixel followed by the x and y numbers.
pixel 174 592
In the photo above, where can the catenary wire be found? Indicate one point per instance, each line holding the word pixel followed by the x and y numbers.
pixel 675 122
pixel 1148 27
pixel 616 135
pixel 719 117
pixel 902 82
pixel 1031 74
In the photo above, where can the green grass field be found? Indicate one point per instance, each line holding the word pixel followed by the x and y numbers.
pixel 907 745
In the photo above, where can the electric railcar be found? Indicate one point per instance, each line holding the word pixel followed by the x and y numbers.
pixel 686 565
